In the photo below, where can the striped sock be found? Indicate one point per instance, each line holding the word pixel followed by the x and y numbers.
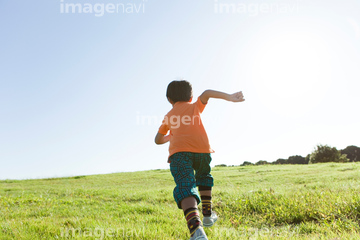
pixel 193 219
pixel 206 205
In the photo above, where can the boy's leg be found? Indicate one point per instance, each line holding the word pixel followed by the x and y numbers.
pixel 205 192
pixel 183 173
pixel 210 216
pixel 191 213
pixel 205 195
pixel 185 192
pixel 205 181
pixel 189 202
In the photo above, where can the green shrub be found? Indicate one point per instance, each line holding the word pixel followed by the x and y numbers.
pixel 325 153
pixel 352 152
pixel 246 163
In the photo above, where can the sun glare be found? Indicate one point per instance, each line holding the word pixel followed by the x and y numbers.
pixel 291 72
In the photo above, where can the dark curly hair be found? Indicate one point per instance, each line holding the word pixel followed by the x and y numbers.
pixel 179 91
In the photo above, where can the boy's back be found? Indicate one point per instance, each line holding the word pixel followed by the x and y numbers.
pixel 187 133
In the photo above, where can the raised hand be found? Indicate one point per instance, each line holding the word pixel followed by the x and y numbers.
pixel 236 97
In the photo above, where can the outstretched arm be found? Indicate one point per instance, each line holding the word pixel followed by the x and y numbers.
pixel 161 138
pixel 235 97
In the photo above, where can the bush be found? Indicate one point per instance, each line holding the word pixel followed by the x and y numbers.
pixel 221 165
pixel 352 153
pixel 325 153
pixel 280 161
pixel 261 162
pixel 246 163
pixel 297 160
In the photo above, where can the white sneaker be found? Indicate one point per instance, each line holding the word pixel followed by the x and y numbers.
pixel 199 234
pixel 209 221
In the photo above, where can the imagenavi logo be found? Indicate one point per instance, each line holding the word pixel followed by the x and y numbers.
pixel 255 8
pixel 100 9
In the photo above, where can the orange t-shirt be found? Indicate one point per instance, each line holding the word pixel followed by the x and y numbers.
pixel 187 133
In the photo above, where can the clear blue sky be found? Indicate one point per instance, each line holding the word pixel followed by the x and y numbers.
pixel 77 90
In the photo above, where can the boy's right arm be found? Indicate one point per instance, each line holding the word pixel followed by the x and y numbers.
pixel 161 138
pixel 235 97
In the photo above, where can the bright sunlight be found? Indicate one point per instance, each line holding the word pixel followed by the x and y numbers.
pixel 291 72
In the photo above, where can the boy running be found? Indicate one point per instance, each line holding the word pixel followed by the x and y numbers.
pixel 189 151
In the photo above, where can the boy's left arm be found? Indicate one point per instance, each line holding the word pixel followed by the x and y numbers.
pixel 161 138
pixel 235 97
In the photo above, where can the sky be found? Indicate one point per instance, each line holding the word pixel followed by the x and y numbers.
pixel 82 89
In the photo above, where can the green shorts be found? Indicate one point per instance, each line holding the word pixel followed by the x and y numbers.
pixel 182 167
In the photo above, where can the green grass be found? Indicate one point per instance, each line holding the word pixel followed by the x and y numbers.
pixel 319 201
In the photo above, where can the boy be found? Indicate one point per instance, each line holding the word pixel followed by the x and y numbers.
pixel 190 151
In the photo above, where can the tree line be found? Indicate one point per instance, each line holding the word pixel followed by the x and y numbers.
pixel 321 154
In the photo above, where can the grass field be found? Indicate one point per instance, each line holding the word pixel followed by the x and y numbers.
pixel 319 201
